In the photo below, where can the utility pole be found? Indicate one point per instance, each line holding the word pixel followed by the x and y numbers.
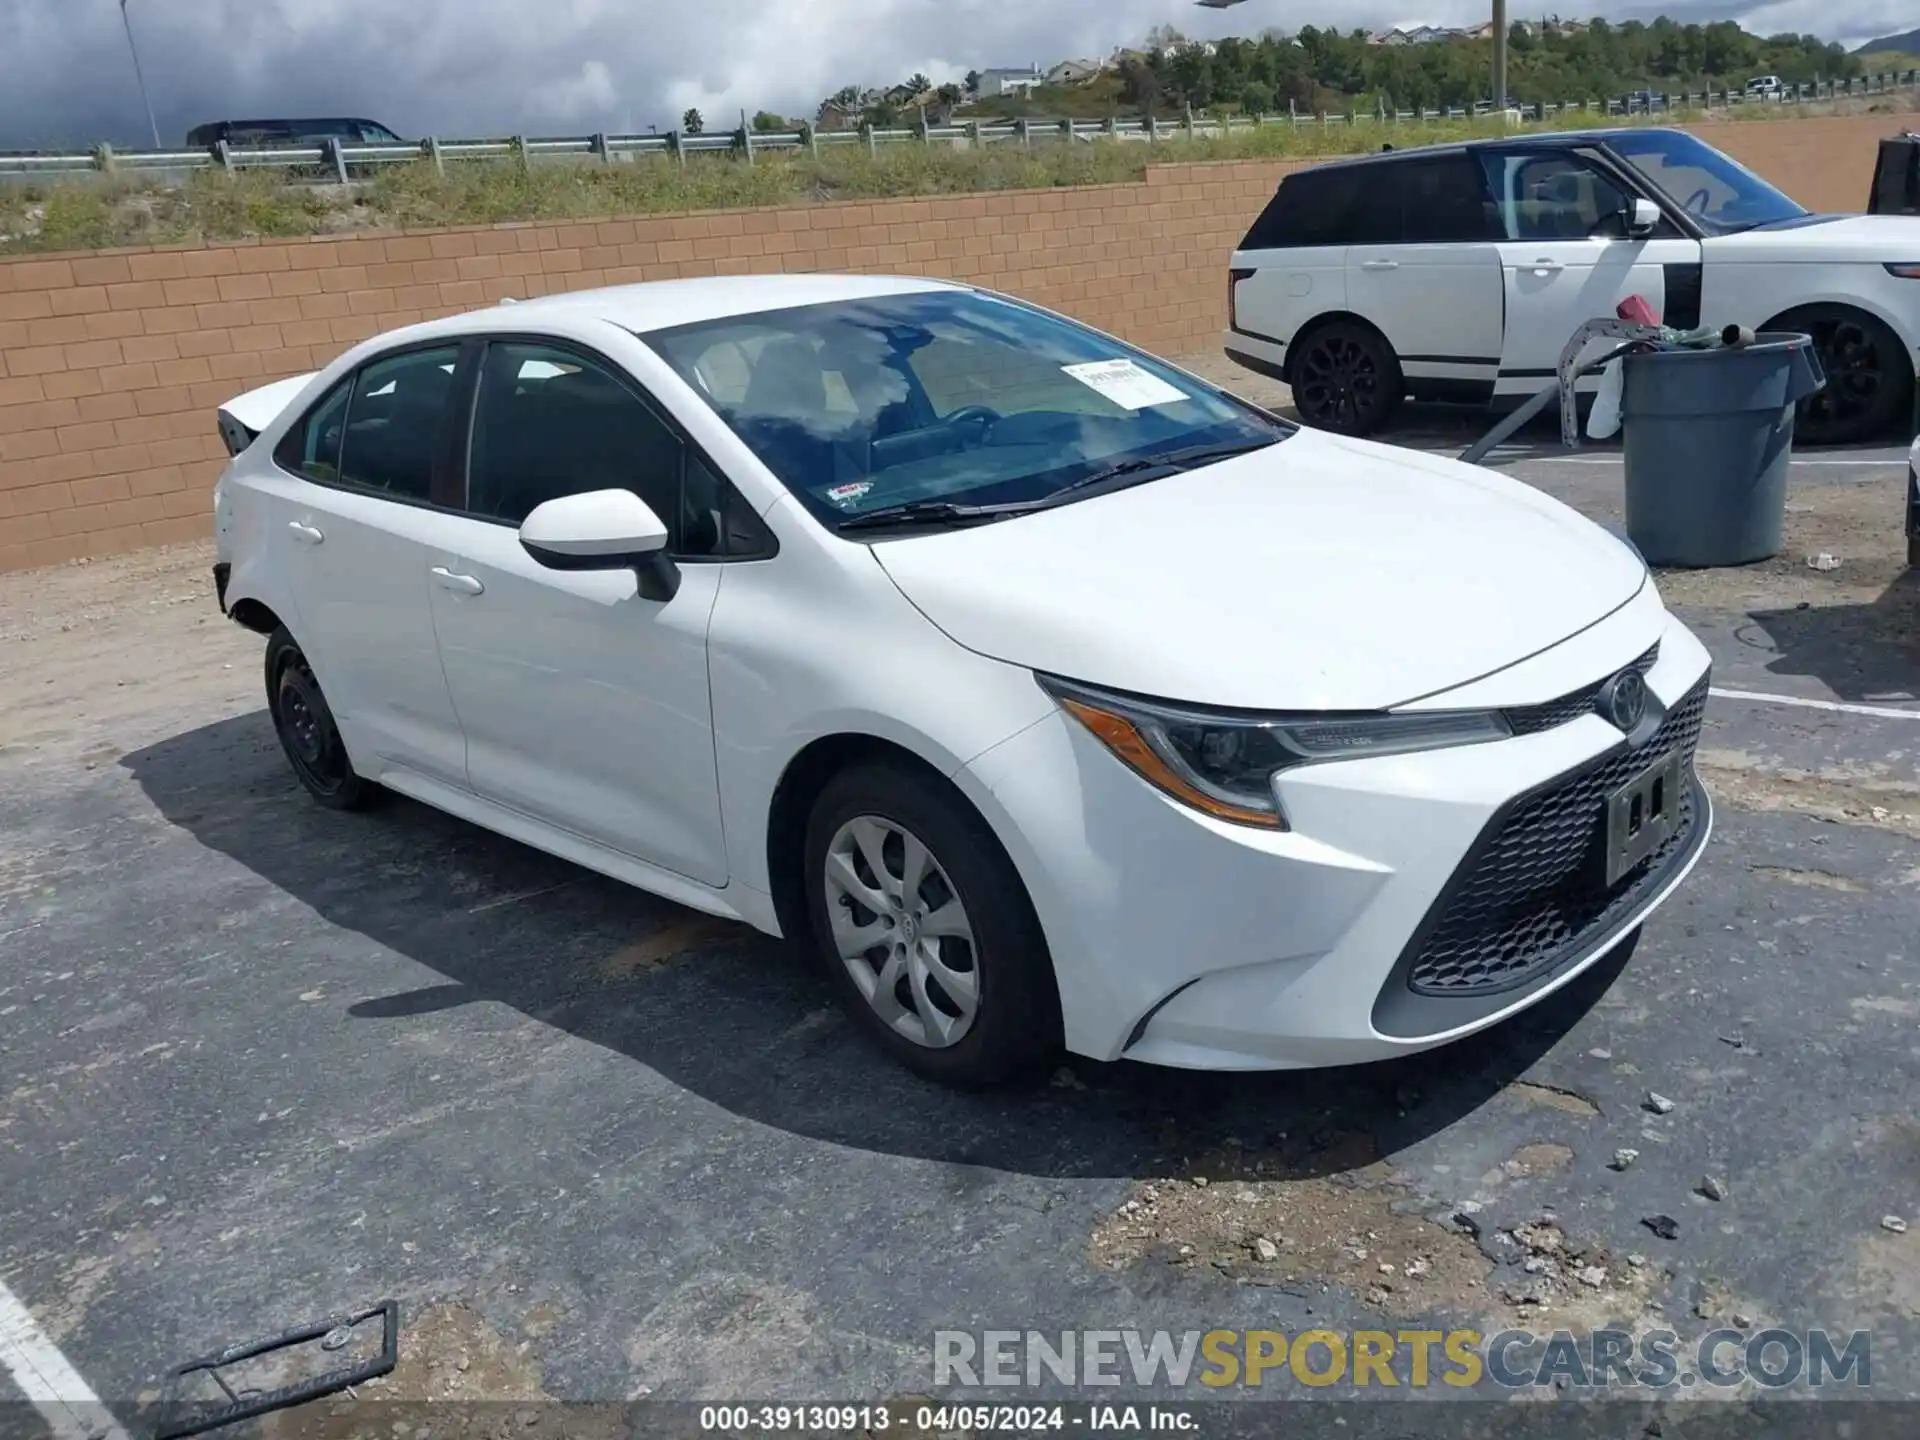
pixel 1499 55
pixel 134 50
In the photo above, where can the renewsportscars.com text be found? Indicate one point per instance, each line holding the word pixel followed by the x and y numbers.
pixel 1224 1360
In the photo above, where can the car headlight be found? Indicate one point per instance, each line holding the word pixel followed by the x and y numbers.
pixel 1223 763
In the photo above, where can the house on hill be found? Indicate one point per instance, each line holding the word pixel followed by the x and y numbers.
pixel 1075 72
pixel 1009 82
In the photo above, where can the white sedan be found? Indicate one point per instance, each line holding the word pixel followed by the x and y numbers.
pixel 1051 695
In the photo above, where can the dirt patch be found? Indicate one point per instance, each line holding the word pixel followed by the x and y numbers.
pixel 1809 879
pixel 1857 523
pixel 1342 1217
pixel 1845 795
pixel 1530 1162
pixel 457 1376
pixel 682 936
pixel 1551 1097
pixel 109 655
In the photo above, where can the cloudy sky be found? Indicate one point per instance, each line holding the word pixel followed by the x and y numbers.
pixel 471 67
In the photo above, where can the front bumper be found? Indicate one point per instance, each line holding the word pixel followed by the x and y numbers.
pixel 1180 940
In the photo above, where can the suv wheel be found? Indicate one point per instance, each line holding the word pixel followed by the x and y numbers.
pixel 1346 378
pixel 925 929
pixel 306 729
pixel 1869 378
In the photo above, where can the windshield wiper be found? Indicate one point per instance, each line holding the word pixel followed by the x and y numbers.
pixel 1173 460
pixel 949 512
pixel 933 512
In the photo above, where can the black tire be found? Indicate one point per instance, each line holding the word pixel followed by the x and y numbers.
pixel 307 731
pixel 1869 390
pixel 1015 1027
pixel 1345 378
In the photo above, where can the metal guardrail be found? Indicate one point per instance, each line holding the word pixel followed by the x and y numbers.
pixel 340 160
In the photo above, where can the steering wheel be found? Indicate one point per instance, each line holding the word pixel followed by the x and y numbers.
pixel 1698 201
pixel 984 416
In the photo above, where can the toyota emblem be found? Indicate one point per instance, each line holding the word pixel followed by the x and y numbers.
pixel 1622 701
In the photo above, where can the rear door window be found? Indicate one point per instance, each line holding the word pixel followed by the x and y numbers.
pixel 1313 207
pixel 1444 200
pixel 396 422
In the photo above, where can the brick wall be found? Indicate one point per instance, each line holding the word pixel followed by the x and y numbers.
pixel 112 363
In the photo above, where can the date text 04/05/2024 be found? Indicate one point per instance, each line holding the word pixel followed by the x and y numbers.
pixel 932 1419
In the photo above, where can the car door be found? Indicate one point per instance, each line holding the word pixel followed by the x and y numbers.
pixel 1425 269
pixel 354 525
pixel 1566 257
pixel 584 703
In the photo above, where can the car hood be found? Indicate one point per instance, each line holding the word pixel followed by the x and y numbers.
pixel 1826 238
pixel 1320 574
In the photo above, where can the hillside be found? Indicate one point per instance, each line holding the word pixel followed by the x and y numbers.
pixel 1906 43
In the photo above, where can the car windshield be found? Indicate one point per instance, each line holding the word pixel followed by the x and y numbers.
pixel 1716 190
pixel 947 397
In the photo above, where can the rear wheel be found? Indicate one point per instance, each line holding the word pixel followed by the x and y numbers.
pixel 925 928
pixel 1869 386
pixel 1346 378
pixel 307 731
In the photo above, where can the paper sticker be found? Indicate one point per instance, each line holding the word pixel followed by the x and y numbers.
pixel 847 494
pixel 1126 384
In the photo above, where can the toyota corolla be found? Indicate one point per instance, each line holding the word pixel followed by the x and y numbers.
pixel 1047 694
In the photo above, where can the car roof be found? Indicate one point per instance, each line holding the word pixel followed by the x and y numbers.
pixel 1550 140
pixel 663 304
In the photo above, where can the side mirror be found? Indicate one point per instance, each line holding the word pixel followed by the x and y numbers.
pixel 1643 217
pixel 603 530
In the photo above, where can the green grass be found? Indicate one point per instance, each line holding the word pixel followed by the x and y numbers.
pixel 94 212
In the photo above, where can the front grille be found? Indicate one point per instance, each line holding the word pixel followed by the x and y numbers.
pixel 1532 719
pixel 1535 885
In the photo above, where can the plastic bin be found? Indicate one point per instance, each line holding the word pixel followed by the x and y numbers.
pixel 1707 435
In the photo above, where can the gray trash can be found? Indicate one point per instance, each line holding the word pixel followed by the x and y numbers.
pixel 1707 435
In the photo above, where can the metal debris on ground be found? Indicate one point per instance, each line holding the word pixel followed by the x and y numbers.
pixel 1622 1159
pixel 1665 1226
pixel 1712 1187
pixel 181 1416
pixel 1893 1223
pixel 1658 1104
pixel 1823 561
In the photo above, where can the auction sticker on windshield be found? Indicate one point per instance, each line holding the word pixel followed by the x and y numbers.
pixel 1126 384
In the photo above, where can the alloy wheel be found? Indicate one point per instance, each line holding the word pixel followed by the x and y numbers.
pixel 902 932
pixel 1339 381
pixel 1856 372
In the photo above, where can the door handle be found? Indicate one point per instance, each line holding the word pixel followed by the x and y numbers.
pixel 1379 264
pixel 305 534
pixel 1546 267
pixel 459 584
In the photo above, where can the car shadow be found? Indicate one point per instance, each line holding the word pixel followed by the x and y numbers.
pixel 1859 652
pixel 744 1023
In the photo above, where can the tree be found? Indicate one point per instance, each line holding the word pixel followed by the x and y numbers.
pixel 692 122
pixel 768 123
pixel 949 95
pixel 1256 98
pixel 918 84
pixel 973 82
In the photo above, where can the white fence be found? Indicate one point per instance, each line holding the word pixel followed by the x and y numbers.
pixel 333 159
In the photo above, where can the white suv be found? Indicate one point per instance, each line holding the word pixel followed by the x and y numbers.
pixel 1459 273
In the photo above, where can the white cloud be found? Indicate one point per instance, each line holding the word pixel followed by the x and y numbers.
pixel 485 66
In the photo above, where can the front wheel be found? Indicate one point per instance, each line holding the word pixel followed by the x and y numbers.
pixel 925 929
pixel 1869 378
pixel 1346 378
pixel 305 725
